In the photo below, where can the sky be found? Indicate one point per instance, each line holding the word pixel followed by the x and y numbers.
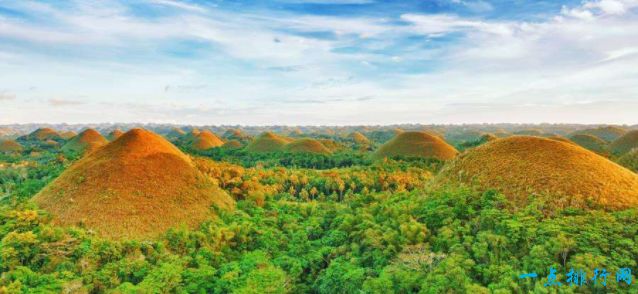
pixel 319 62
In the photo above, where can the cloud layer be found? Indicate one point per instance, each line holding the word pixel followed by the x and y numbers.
pixel 318 62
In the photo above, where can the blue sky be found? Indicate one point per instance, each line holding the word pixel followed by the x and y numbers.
pixel 326 62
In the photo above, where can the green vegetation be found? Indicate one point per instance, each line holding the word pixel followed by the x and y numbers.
pixel 319 223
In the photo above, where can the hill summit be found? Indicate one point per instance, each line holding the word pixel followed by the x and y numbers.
pixel 135 187
pixel 359 138
pixel 625 143
pixel 416 144
pixel 307 145
pixel 42 134
pixel 202 140
pixel 86 142
pixel 113 135
pixel 10 146
pixel 522 165
pixel 268 142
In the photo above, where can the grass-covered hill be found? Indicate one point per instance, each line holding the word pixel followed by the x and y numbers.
pixel 416 144
pixel 521 166
pixel 133 188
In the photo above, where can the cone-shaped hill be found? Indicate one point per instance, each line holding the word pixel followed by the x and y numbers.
pixel 232 144
pixel 68 135
pixel 268 142
pixel 359 138
pixel 135 187
pixel 236 134
pixel 42 134
pixel 10 146
pixel 86 142
pixel 202 140
pixel 590 142
pixel 522 165
pixel 307 145
pixel 561 139
pixel 608 134
pixel 416 144
pixel 113 135
pixel 175 133
pixel 625 143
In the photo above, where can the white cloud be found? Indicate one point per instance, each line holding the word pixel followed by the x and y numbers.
pixel 495 70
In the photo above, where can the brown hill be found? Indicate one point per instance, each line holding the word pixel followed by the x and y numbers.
pixel 68 135
pixel 135 187
pixel 630 160
pixel 332 145
pixel 232 144
pixel 609 133
pixel 561 139
pixel 10 146
pixel 359 138
pixel 42 134
pixel 113 135
pixel 175 133
pixel 522 165
pixel 590 142
pixel 236 134
pixel 86 142
pixel 625 143
pixel 202 140
pixel 307 145
pixel 419 144
pixel 268 142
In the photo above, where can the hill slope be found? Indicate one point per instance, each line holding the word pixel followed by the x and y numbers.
pixel 86 142
pixel 135 187
pixel 523 165
pixel 417 144
pixel 590 142
pixel 307 145
pixel 42 134
pixel 10 146
pixel 113 135
pixel 625 143
pixel 268 142
pixel 608 134
pixel 202 140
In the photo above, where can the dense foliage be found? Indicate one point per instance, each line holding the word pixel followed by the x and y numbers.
pixel 366 227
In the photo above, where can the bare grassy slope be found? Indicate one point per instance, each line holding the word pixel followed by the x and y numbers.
pixel 135 188
pixel 419 144
pixel 522 165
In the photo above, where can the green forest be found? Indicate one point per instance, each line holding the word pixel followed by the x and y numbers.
pixel 309 223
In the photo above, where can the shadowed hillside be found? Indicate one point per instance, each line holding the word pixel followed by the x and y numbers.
pixel 86 142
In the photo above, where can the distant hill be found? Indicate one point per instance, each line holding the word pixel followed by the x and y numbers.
pixel 630 160
pixel 42 135
pixel 417 144
pixel 359 138
pixel 268 142
pixel 10 146
pixel 591 142
pixel 625 143
pixel 113 135
pixel 86 142
pixel 307 145
pixel 201 140
pixel 609 133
